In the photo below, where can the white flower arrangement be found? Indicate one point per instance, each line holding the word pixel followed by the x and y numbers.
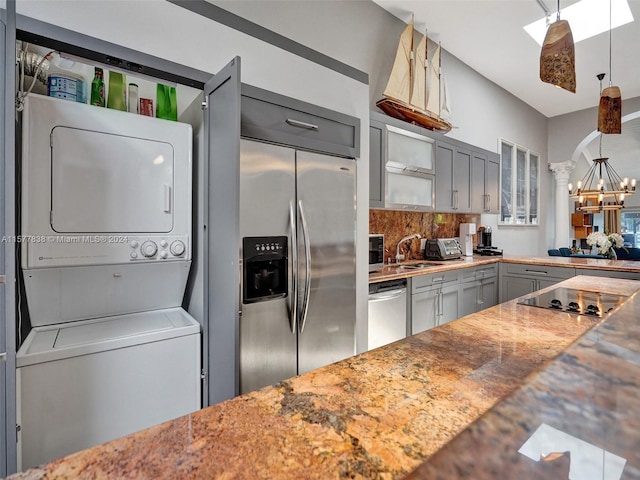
pixel 604 242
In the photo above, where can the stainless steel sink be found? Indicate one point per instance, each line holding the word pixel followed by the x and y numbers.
pixel 417 266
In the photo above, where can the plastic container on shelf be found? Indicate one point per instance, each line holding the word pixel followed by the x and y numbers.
pixel 67 87
pixel 65 80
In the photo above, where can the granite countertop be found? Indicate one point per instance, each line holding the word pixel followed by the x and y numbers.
pixel 385 413
pixel 397 271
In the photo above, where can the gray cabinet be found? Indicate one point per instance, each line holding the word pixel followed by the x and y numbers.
pixel 517 279
pixel 434 300
pixel 466 177
pixel 401 167
pixel 271 117
pixel 478 289
pixel 608 273
pixel 434 307
pixel 453 178
pixel 377 145
pixel 485 175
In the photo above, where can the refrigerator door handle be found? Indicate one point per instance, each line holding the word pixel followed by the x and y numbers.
pixel 293 294
pixel 307 259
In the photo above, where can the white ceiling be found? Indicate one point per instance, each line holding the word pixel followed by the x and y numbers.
pixel 488 36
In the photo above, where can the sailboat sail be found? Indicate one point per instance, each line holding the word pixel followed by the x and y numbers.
pixel 419 90
pixel 445 104
pixel 433 83
pixel 399 85
pixel 413 91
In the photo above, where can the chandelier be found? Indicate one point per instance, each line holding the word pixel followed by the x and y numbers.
pixel 602 188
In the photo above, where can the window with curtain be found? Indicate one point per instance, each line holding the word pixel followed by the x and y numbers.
pixel 520 184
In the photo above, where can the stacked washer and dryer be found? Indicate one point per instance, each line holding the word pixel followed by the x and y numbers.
pixel 105 253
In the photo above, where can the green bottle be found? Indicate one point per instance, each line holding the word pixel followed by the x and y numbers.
pixel 97 89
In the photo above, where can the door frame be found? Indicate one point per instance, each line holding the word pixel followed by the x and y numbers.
pixel 8 444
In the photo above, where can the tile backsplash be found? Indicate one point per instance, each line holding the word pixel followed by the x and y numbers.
pixel 397 224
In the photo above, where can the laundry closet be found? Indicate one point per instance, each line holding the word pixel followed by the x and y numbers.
pixel 105 347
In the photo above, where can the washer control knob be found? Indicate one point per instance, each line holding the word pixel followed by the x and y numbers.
pixel 163 254
pixel 133 244
pixel 164 244
pixel 149 249
pixel 177 248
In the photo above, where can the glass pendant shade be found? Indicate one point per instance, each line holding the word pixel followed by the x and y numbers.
pixel 557 58
pixel 610 111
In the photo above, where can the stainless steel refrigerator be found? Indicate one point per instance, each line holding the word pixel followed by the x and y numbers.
pixel 297 261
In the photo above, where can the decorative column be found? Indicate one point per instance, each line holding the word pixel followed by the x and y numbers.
pixel 561 172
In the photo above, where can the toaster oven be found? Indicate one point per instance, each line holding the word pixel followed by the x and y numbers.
pixel 442 249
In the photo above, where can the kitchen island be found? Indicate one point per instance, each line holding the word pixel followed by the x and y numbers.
pixel 456 401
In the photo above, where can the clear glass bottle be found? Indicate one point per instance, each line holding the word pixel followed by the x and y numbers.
pixel 97 89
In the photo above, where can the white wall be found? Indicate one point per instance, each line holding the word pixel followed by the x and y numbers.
pixel 362 34
pixel 165 30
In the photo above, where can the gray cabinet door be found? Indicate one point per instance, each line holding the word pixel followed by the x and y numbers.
pixel 492 183
pixel 222 212
pixel 462 180
pixel 453 178
pixel 469 297
pixel 377 154
pixel 449 302
pixel 445 201
pixel 424 310
pixel 485 176
pixel 488 293
pixel 478 183
pixel 514 287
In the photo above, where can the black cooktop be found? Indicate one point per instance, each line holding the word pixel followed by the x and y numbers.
pixel 576 301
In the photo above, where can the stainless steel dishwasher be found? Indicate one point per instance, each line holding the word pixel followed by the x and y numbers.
pixel 387 312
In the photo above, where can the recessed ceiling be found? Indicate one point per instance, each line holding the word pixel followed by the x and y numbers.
pixel 488 35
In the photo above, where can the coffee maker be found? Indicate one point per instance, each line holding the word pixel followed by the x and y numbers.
pixel 484 243
pixel 484 237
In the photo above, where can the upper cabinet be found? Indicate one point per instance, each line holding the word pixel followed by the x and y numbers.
pixel 401 168
pixel 414 168
pixel 485 187
pixel 453 178
pixel 377 145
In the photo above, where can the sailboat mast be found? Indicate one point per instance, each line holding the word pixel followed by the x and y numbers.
pixel 419 89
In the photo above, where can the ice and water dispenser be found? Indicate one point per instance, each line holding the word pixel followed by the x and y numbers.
pixel 264 273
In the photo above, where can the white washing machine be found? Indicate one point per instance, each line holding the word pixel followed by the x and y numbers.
pixel 84 383
pixel 106 223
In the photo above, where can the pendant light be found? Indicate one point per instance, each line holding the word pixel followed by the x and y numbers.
pixel 610 108
pixel 601 188
pixel 557 58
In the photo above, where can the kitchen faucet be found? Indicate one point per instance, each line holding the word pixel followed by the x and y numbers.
pixel 400 256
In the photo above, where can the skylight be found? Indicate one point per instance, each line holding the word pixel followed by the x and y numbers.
pixel 587 18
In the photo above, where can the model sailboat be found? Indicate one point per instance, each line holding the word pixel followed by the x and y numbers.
pixel 416 91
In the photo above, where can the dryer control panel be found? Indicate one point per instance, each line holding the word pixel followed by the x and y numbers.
pixel 72 250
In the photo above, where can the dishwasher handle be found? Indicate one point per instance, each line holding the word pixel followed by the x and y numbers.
pixel 387 295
